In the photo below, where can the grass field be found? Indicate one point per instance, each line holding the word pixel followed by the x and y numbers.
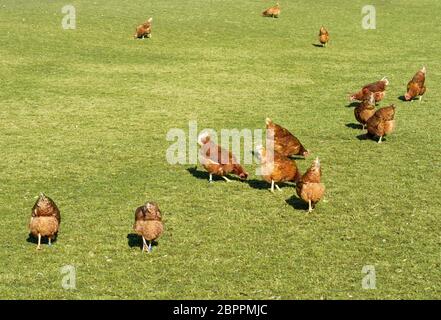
pixel 84 116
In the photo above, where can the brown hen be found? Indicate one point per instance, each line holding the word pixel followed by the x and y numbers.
pixel 148 224
pixel 144 30
pixel 382 122
pixel 309 188
pixel 323 36
pixel 218 161
pixel 45 219
pixel 276 167
pixel 365 110
pixel 273 12
pixel 284 142
pixel 377 88
pixel 416 87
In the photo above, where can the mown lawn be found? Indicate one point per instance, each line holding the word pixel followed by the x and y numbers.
pixel 84 115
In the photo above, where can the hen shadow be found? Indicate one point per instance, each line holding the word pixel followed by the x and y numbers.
pixel 134 240
pixel 354 126
pixel 204 175
pixel 297 203
pixel 44 240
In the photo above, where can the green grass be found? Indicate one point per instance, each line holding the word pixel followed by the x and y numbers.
pixel 84 115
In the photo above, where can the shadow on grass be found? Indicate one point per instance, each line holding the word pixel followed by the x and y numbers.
pixel 402 99
pixel 364 136
pixel 368 136
pixel 353 104
pixel 44 240
pixel 263 185
pixel 204 175
pixel 198 173
pixel 297 157
pixel 134 240
pixel 297 203
pixel 354 125
pixel 318 45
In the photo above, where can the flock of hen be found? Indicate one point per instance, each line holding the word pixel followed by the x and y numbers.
pixel 277 165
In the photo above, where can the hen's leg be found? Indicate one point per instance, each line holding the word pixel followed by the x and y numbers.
pixel 210 179
pixel 39 242
pixel 272 185
pixel 150 247
pixel 226 179
pixel 278 188
pixel 379 140
pixel 49 242
pixel 144 244
pixel 421 98
pixel 310 206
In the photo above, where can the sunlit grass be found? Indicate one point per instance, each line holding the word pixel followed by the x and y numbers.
pixel 84 115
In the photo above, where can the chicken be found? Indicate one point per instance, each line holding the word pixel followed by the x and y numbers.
pixel 323 36
pixel 284 142
pixel 273 12
pixel 377 88
pixel 382 122
pixel 148 224
pixel 309 188
pixel 276 167
pixel 144 30
pixel 416 87
pixel 45 219
pixel 365 110
pixel 218 161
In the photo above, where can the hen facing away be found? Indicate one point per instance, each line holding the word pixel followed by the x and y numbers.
pixel 323 36
pixel 309 188
pixel 45 219
pixel 365 110
pixel 382 122
pixel 148 224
